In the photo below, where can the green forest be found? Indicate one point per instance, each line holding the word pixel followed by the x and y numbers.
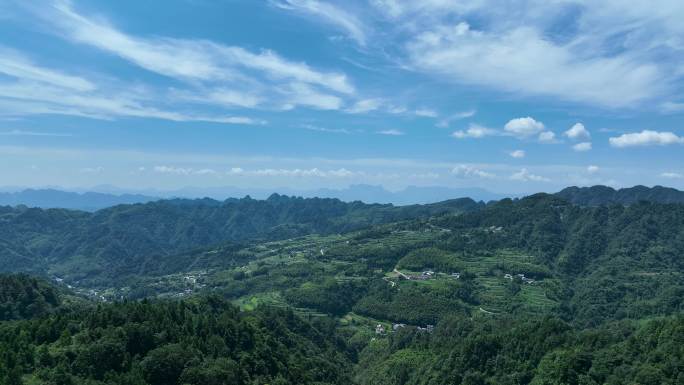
pixel 548 289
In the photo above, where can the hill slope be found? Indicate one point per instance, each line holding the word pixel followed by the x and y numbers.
pixel 116 241
pixel 603 195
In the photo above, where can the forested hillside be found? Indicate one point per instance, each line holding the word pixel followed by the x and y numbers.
pixel 527 291
pixel 118 240
pixel 604 195
pixel 201 342
pixel 24 297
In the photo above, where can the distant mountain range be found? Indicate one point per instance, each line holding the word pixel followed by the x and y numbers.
pixel 108 196
pixel 88 201
pixel 129 239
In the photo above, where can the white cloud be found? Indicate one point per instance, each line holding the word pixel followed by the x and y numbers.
pixel 33 133
pixel 645 138
pixel 670 107
pixel 91 170
pixel 16 65
pixel 577 132
pixel 426 113
pixel 474 131
pixel 223 97
pixel 547 137
pixel 524 127
pixel 172 170
pixel 391 132
pixel 329 13
pixel 312 127
pixel 525 176
pixel 444 123
pixel 208 72
pixel 582 147
pixel 518 154
pixel 593 169
pixel 427 175
pixel 189 59
pixel 466 171
pixel 517 57
pixel 672 175
pixel 365 105
pixel 305 95
pixel 31 98
pixel 296 172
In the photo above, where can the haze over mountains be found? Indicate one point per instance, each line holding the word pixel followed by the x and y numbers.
pixel 107 196
pixel 587 286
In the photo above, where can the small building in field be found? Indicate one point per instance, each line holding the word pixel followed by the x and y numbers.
pixel 396 327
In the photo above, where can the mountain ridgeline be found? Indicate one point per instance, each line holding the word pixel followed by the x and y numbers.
pixel 119 240
pixel 604 195
pixel 581 289
pixel 51 198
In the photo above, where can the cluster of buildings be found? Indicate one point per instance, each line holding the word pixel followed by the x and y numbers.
pixel 428 274
pixel 522 277
pixel 380 328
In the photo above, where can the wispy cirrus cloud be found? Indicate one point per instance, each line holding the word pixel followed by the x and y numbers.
pixel 392 132
pixel 15 65
pixel 330 14
pixel 207 74
pixel 593 53
pixel 188 58
pixel 17 132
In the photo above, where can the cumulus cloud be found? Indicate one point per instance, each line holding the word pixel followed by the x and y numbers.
pixel 525 176
pixel 593 169
pixel 582 147
pixel 547 137
pixel 645 138
pixel 517 154
pixel 466 171
pixel 524 127
pixel 474 131
pixel 577 132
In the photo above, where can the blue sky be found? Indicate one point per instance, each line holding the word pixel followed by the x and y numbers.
pixel 517 97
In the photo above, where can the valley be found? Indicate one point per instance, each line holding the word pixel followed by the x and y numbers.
pixel 531 284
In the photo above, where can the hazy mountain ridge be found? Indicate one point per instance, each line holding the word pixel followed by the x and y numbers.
pixel 106 196
pixel 86 201
pixel 117 240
